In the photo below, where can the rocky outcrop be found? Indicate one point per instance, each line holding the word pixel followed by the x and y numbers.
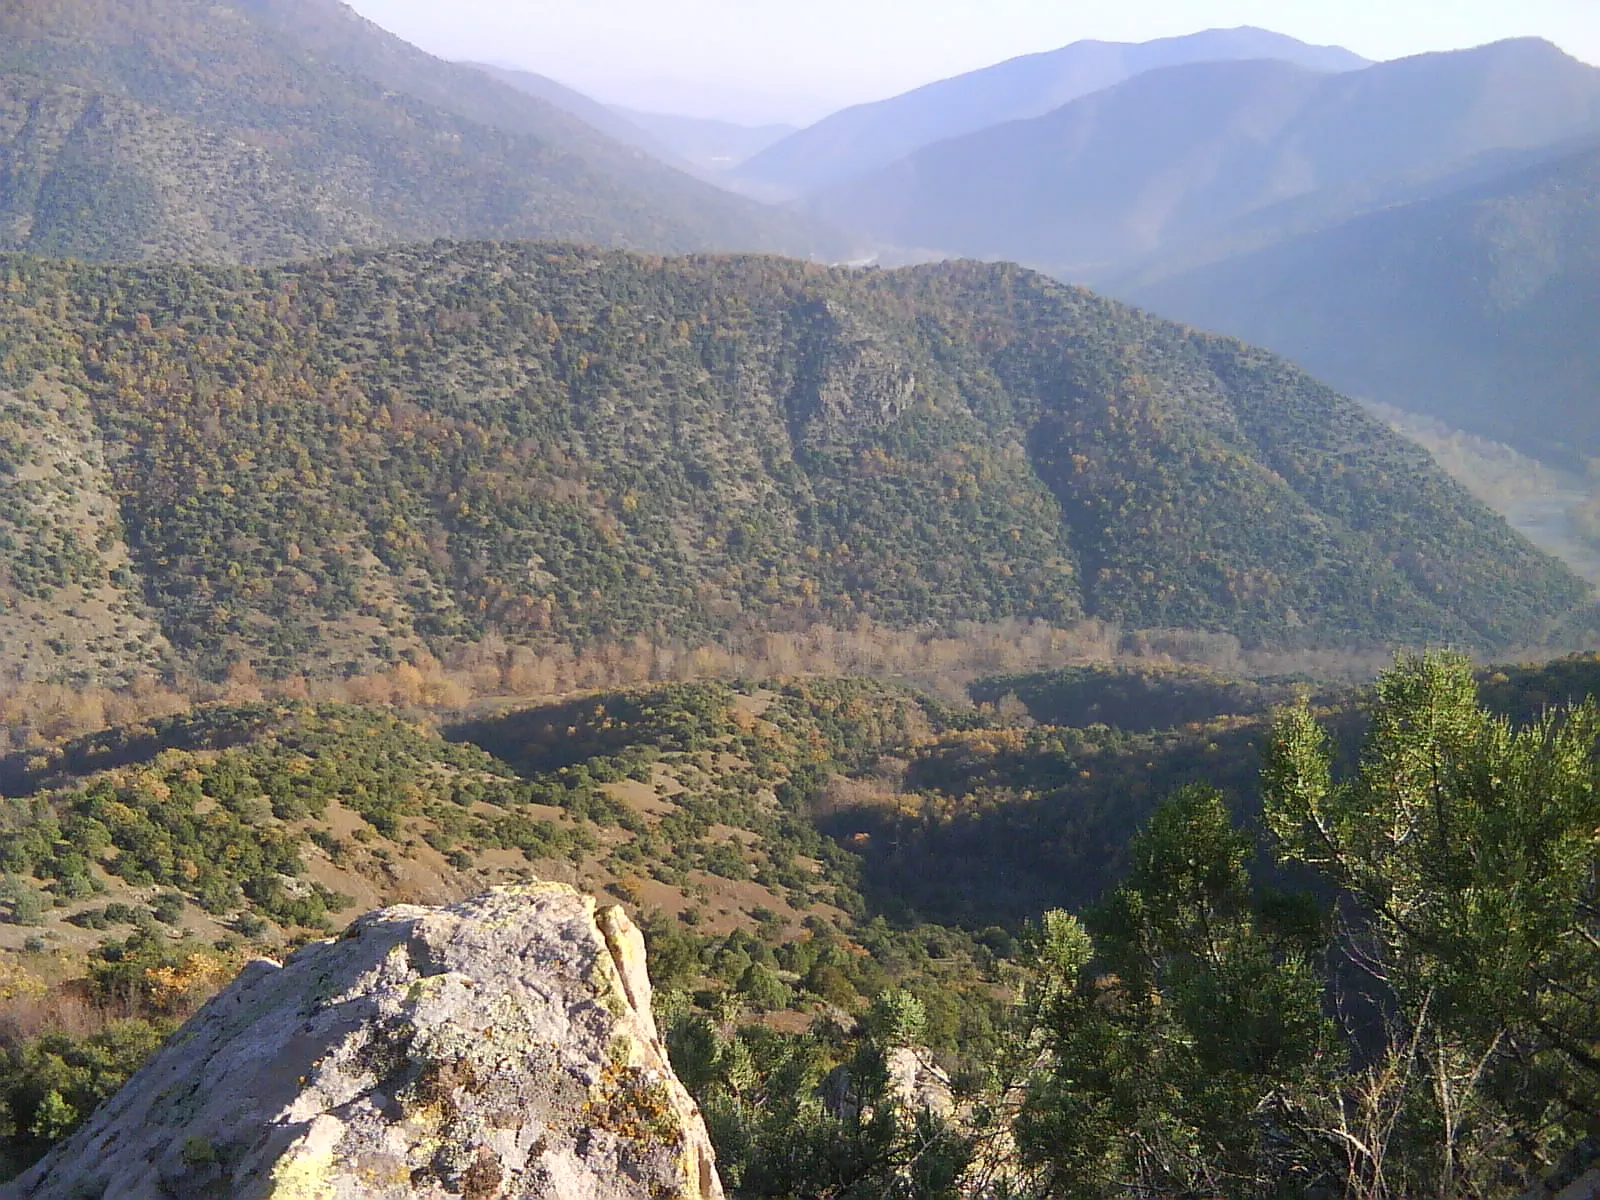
pixel 914 1084
pixel 918 1083
pixel 498 1049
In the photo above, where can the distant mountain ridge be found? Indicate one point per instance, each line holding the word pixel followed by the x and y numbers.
pixel 327 466
pixel 869 136
pixel 1479 307
pixel 1186 153
pixel 256 130
pixel 708 144
pixel 587 109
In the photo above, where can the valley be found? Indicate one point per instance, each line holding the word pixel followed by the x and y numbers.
pixel 1548 505
pixel 1059 605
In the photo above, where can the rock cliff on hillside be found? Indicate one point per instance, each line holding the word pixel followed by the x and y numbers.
pixel 499 1049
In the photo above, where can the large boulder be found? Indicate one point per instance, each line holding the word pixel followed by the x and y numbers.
pixel 498 1049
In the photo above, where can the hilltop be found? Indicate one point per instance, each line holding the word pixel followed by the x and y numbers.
pixel 866 137
pixel 327 468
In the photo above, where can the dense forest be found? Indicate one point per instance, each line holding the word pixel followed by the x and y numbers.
pixel 1254 981
pixel 353 462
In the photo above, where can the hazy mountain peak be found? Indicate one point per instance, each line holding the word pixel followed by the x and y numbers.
pixel 1189 154
pixel 1527 49
pixel 868 136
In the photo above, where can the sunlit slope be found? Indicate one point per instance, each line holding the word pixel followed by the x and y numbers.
pixel 319 468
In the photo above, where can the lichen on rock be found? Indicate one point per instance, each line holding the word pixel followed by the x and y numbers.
pixel 498 1049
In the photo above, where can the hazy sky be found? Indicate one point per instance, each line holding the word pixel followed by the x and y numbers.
pixel 762 60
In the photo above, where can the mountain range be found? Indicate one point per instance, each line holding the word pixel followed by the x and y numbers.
pixel 325 466
pixel 1222 150
pixel 1478 306
pixel 695 143
pixel 367 420
pixel 261 130
pixel 1184 174
pixel 869 136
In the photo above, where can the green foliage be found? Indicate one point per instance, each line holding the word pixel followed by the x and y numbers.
pixel 1525 694
pixel 1169 1023
pixel 168 908
pixel 214 805
pixel 27 906
pixel 762 990
pixel 1131 699
pixel 49 1083
pixel 559 445
pixel 1466 847
pixel 1003 823
pixel 795 1115
pixel 897 1018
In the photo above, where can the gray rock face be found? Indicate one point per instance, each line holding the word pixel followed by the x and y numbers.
pixel 918 1084
pixel 499 1049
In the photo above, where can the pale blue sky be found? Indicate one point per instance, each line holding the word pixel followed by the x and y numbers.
pixel 797 59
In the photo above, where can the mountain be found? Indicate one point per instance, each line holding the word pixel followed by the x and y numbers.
pixel 703 144
pixel 1190 154
pixel 617 125
pixel 869 136
pixel 324 467
pixel 708 144
pixel 1478 307
pixel 254 130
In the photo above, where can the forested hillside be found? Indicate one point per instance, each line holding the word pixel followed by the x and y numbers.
pixel 263 130
pixel 146 864
pixel 329 466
